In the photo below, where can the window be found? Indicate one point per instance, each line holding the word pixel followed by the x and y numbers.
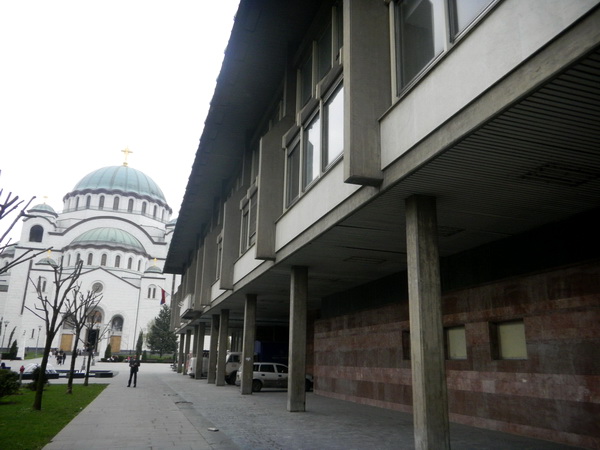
pixel 117 261
pixel 32 333
pixel 90 259
pixel 116 204
pixel 312 151
pixel 130 205
pixel 456 343
pixel 319 144
pixel 508 340
pixel 463 13
pixel 139 265
pixel 152 291
pixel 77 258
pixel 129 263
pixel 88 202
pixel 143 207
pixel 333 127
pixel 77 203
pixel 117 324
pixel 154 212
pixel 219 255
pixel 293 173
pixel 245 222
pixel 101 202
pixel 97 287
pixel 103 260
pixel 422 33
pixel 36 233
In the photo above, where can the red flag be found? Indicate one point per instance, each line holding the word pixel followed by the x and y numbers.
pixel 163 296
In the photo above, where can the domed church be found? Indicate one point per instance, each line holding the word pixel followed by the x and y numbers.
pixel 118 222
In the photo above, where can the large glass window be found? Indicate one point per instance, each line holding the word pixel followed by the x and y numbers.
pixel 293 173
pixel 420 36
pixel 426 28
pixel 306 81
pixel 333 126
pixel 464 12
pixel 312 151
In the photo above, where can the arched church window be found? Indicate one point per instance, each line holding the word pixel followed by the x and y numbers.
pixel 117 324
pixel 117 261
pixel 130 205
pixel 116 204
pixel 77 203
pixel 103 260
pixel 90 259
pixel 139 265
pixel 88 202
pixel 77 258
pixel 154 212
pixel 143 207
pixel 152 291
pixel 101 202
pixel 36 233
pixel 69 260
pixel 129 263
pixel 97 287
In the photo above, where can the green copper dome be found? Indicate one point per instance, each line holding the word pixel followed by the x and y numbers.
pixel 43 208
pixel 111 237
pixel 123 179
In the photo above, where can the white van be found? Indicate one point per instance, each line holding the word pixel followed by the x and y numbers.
pixel 191 367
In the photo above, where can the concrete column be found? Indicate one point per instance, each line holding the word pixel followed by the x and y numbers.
pixel 296 401
pixel 430 398
pixel 188 340
pixel 180 358
pixel 222 350
pixel 212 354
pixel 199 349
pixel 248 344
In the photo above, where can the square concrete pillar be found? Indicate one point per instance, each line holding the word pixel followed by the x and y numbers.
pixel 222 350
pixel 296 401
pixel 248 345
pixel 181 353
pixel 199 349
pixel 430 399
pixel 212 354
pixel 186 356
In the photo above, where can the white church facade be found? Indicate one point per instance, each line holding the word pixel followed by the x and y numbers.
pixel 116 220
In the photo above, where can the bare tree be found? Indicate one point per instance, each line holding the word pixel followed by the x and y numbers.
pixel 93 323
pixel 53 312
pixel 8 206
pixel 81 306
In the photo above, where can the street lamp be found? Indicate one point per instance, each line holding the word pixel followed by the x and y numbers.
pixel 6 322
pixel 37 343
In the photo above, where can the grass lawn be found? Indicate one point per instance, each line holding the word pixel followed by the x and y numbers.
pixel 21 427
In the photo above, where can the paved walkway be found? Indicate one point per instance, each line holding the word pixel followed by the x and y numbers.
pixel 171 411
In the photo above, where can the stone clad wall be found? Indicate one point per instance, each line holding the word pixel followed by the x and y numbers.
pixel 553 394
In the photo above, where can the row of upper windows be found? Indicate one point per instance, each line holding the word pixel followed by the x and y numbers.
pixel 76 204
pixel 422 30
pixel 117 261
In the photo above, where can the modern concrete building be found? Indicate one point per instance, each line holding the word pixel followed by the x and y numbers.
pixel 117 221
pixel 411 191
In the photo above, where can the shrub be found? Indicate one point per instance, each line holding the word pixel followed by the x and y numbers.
pixel 9 382
pixel 108 352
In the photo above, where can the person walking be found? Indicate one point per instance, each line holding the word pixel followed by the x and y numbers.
pixel 134 366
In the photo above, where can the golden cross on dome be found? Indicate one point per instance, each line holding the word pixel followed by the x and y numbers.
pixel 127 152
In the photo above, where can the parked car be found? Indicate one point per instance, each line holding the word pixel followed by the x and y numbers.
pixel 232 364
pixel 270 375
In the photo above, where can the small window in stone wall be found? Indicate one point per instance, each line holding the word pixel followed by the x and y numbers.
pixel 456 342
pixel 406 344
pixel 508 340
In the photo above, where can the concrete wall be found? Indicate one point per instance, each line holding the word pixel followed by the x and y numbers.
pixel 553 394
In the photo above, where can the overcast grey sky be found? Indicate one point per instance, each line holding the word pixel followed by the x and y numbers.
pixel 82 80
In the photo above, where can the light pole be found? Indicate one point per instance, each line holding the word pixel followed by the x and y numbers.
pixel 6 322
pixel 37 343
